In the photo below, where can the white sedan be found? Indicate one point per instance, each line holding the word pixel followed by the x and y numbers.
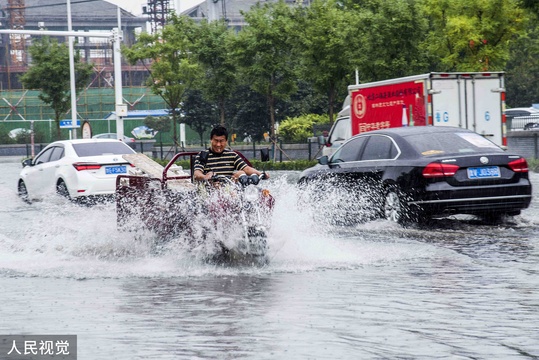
pixel 75 169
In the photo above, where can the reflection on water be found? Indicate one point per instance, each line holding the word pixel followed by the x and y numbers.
pixel 454 289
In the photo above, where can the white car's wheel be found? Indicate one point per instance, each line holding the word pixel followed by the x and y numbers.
pixel 61 189
pixel 22 191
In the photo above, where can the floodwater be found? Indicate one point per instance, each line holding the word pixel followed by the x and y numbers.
pixel 458 289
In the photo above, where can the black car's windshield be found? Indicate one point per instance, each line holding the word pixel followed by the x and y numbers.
pixel 102 148
pixel 451 143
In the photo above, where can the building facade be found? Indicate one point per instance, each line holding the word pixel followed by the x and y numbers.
pixel 229 10
pixel 88 15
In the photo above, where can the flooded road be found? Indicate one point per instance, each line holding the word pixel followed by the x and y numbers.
pixel 458 289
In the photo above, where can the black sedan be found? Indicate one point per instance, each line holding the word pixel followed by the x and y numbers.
pixel 415 173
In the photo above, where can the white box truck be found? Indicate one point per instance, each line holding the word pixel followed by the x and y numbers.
pixel 470 100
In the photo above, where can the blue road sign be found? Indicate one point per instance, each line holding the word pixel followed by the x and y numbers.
pixel 67 123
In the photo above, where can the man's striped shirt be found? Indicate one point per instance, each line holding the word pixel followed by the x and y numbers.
pixel 224 163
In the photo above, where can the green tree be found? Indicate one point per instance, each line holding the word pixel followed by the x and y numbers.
pixel 4 136
pixel 160 124
pixel 387 39
pixel 472 35
pixel 248 113
pixel 263 53
pixel 522 71
pixel 168 56
pixel 300 128
pixel 306 100
pixel 50 73
pixel 532 5
pixel 212 47
pixel 199 114
pixel 325 35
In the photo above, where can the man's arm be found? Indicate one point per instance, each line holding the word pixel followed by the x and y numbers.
pixel 251 170
pixel 199 175
pixel 241 165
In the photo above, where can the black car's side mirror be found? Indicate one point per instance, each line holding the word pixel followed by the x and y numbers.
pixel 264 155
pixel 27 162
pixel 323 160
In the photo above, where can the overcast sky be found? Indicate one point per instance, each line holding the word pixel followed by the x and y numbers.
pixel 135 6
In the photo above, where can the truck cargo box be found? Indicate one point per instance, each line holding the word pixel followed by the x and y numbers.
pixel 474 101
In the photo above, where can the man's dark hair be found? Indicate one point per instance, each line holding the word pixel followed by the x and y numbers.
pixel 219 130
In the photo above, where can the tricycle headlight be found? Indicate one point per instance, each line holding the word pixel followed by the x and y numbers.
pixel 251 193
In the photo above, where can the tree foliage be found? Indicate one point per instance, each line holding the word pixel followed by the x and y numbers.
pixel 289 57
pixel 212 47
pixel 168 56
pixel 472 35
pixel 248 113
pixel 532 5
pixel 160 123
pixel 523 68
pixel 306 100
pixel 263 53
pixel 199 114
pixel 325 36
pixel 300 128
pixel 50 73
pixel 388 39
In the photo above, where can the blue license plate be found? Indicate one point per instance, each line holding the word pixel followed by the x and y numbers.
pixel 120 169
pixel 483 172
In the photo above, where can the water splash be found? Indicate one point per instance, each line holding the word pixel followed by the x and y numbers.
pixel 58 238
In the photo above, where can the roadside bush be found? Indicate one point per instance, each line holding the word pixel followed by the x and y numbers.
pixel 533 164
pixel 285 165
pixel 4 136
pixel 23 137
pixel 297 165
pixel 300 128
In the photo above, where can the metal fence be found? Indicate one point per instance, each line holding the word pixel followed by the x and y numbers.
pixel 91 103
pixel 45 130
pixel 309 150
pixel 521 122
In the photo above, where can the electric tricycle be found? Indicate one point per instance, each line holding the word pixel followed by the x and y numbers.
pixel 224 219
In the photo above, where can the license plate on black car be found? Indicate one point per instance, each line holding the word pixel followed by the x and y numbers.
pixel 485 172
pixel 120 169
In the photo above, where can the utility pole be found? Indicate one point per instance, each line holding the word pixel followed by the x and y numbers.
pixel 72 75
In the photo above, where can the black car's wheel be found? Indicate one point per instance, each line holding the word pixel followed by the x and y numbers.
pixel 22 191
pixel 397 210
pixel 61 189
pixel 393 206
